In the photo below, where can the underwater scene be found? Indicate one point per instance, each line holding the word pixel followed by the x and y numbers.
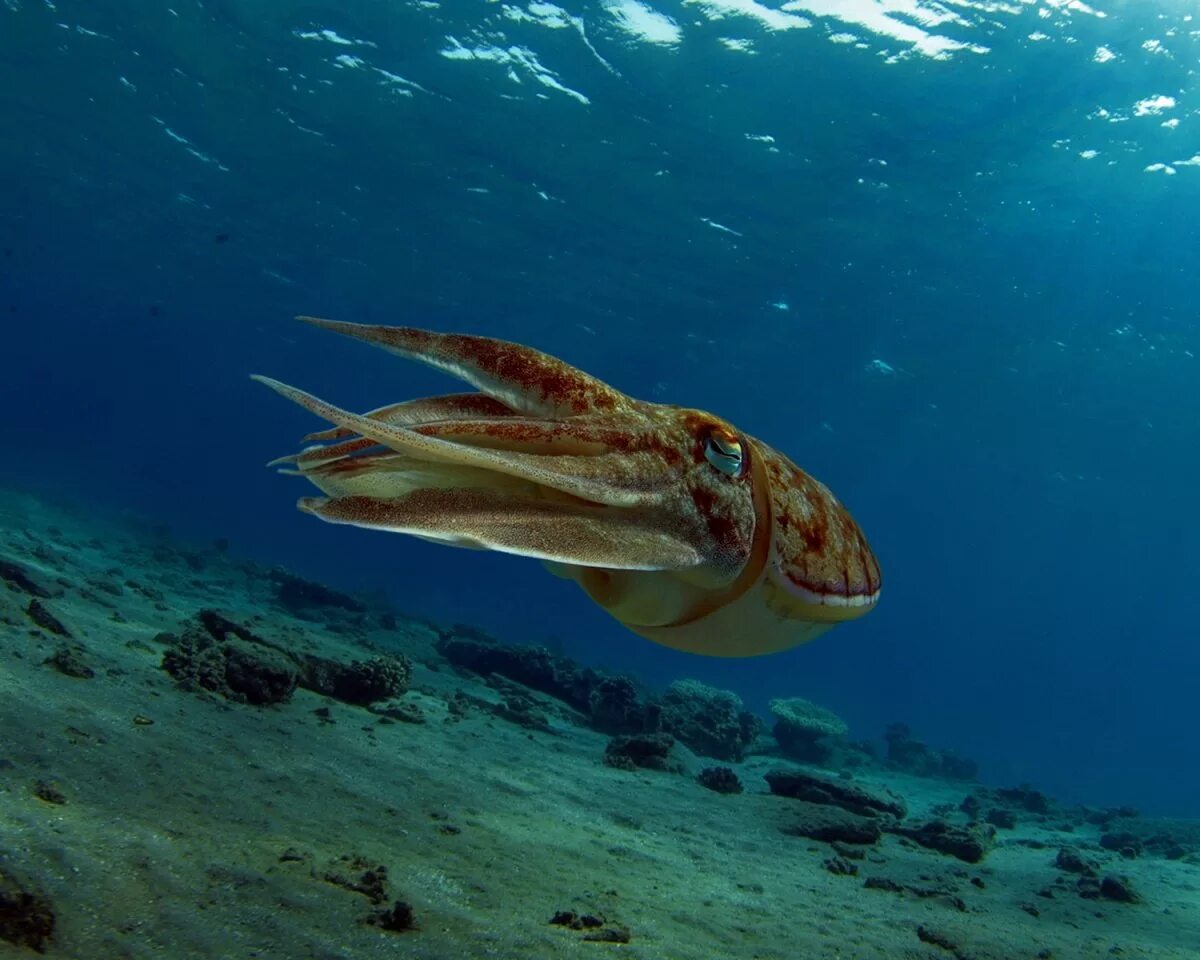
pixel 678 479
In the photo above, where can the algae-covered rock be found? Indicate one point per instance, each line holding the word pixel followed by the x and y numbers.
pixel 1007 807
pixel 257 674
pixel 535 667
pixel 1071 860
pixel 803 729
pixel 232 668
pixel 70 662
pixel 397 918
pixel 832 825
pixel 611 704
pixel 358 874
pixel 1119 888
pixel 224 657
pixel 304 597
pixel 905 752
pixel 41 614
pixel 615 706
pixel 719 780
pixel 650 750
pixel 837 793
pixel 25 580
pixel 1134 836
pixel 361 682
pixel 710 721
pixel 969 843
pixel 26 914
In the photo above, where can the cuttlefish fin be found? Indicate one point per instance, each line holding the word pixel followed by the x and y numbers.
pixel 524 379
pixel 565 533
pixel 590 478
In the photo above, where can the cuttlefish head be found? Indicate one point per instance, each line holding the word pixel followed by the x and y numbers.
pixel 686 530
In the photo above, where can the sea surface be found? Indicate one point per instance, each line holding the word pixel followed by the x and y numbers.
pixel 942 254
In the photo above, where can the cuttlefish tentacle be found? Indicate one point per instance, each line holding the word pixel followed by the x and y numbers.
pixel 684 529
pixel 520 377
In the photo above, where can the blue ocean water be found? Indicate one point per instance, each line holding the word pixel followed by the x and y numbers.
pixel 944 255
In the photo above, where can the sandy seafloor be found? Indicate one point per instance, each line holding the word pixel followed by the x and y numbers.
pixel 222 829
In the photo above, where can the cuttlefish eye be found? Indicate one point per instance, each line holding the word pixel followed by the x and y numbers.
pixel 725 452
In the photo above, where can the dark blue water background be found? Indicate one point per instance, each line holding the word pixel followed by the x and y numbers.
pixel 988 347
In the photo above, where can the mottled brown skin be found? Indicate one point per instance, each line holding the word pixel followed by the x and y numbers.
pixel 687 531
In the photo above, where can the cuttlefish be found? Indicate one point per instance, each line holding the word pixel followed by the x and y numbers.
pixel 686 530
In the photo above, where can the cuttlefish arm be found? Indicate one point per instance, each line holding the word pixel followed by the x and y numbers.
pixel 569 461
pixel 526 380
pixel 685 530
pixel 453 406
